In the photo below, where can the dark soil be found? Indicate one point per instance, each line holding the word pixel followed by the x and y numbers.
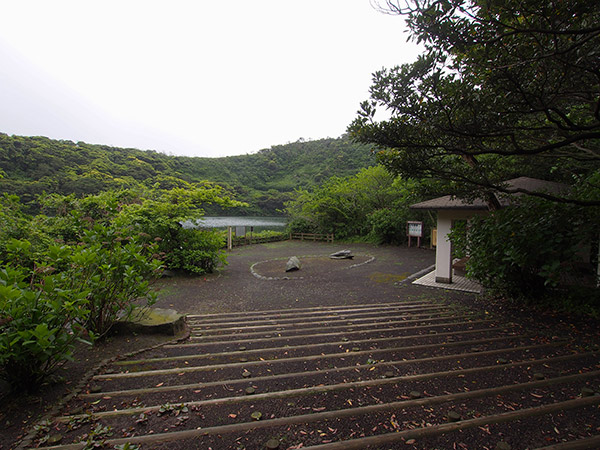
pixel 255 280
pixel 19 412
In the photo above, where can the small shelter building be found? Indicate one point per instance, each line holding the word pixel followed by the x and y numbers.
pixel 450 209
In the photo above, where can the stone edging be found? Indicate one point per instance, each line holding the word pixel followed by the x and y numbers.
pixel 261 277
pixel 371 259
pixel 418 274
pixel 56 409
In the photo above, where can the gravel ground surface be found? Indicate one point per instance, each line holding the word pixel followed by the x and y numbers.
pixel 321 281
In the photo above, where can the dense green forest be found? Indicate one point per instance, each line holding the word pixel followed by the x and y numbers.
pixel 264 180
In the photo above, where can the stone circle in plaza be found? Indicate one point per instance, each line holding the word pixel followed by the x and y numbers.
pixel 309 267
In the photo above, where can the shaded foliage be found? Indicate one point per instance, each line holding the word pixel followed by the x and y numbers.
pixel 527 248
pixel 504 89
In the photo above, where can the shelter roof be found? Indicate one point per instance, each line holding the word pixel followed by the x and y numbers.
pixel 529 184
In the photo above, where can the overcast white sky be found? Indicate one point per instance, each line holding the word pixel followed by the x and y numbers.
pixel 197 77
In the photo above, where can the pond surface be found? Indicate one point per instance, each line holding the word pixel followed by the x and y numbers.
pixel 258 223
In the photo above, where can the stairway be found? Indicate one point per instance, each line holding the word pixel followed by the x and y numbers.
pixel 410 375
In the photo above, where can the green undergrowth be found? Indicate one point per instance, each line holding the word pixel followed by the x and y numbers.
pixel 578 301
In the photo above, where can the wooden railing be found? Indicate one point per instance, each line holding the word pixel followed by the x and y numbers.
pixel 247 240
pixel 312 237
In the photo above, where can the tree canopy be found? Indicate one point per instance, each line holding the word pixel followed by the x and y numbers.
pixel 30 166
pixel 504 88
pixel 372 205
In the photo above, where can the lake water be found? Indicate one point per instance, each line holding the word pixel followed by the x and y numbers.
pixel 258 223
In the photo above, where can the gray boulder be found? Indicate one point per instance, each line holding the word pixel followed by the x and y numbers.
pixel 342 254
pixel 293 264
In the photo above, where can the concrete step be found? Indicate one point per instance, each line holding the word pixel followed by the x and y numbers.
pixel 393 378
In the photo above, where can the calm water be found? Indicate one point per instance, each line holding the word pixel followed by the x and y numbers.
pixel 259 223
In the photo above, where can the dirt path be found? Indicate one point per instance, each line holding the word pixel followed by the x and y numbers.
pixel 343 354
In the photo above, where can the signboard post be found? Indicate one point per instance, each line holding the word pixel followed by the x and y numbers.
pixel 414 229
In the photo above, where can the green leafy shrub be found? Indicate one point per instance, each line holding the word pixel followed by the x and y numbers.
pixel 524 249
pixel 388 226
pixel 116 268
pixel 302 225
pixel 73 290
pixel 155 213
pixel 161 215
pixel 87 264
pixel 16 226
pixel 270 234
pixel 38 317
pixel 200 251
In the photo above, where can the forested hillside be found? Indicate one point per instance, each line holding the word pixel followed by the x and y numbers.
pixel 32 165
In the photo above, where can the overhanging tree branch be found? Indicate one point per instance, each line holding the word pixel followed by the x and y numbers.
pixel 515 83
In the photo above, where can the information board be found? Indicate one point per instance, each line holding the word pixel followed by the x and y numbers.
pixel 415 229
